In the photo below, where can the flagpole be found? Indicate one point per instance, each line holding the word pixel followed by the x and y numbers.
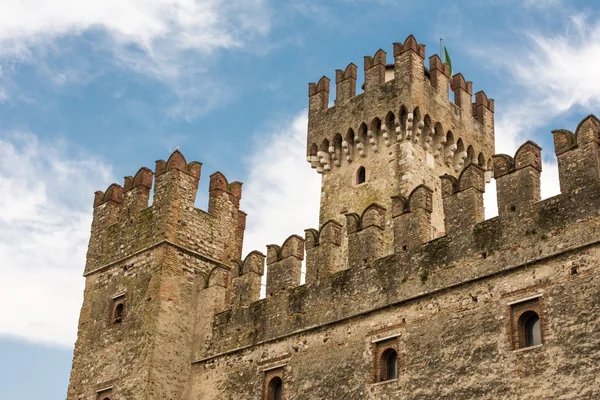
pixel 441 56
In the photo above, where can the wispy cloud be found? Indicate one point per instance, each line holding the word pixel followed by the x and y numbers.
pixel 282 192
pixel 555 74
pixel 44 228
pixel 562 69
pixel 173 41
pixel 150 25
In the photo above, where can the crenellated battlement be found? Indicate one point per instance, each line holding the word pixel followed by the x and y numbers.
pixel 389 87
pixel 578 154
pixel 177 161
pixel 366 279
pixel 411 217
pixel 323 250
pixel 246 278
pixel 410 44
pixel 406 284
pixel 284 265
pixel 518 178
pixel 124 223
pixel 374 69
pixel 402 131
pixel 518 193
pixel 345 83
pixel 366 235
pixel 463 199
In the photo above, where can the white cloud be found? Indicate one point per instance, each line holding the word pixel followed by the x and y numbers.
pixel 149 24
pixel 45 218
pixel 282 192
pixel 173 41
pixel 557 74
pixel 562 69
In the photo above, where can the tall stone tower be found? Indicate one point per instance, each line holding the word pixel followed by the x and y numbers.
pixel 154 278
pixel 401 132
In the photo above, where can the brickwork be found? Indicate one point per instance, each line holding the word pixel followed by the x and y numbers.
pixel 517 315
pixel 402 262
pixel 271 378
pixel 380 352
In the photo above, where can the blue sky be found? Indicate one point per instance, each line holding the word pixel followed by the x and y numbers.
pixel 91 91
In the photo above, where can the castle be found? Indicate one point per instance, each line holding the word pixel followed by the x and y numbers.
pixel 409 293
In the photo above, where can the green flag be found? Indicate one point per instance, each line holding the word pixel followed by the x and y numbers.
pixel 449 61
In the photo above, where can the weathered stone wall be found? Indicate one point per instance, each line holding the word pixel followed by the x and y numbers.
pixel 448 305
pixel 547 229
pixel 453 344
pixel 171 264
pixel 217 234
pixel 106 352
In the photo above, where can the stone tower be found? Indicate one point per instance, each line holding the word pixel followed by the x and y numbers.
pixel 154 277
pixel 401 132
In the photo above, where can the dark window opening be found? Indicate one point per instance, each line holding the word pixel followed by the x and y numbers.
pixel 278 388
pixel 389 365
pixel 118 314
pixel 392 365
pixel 361 175
pixel 573 270
pixel 531 329
pixel 527 323
pixel 275 390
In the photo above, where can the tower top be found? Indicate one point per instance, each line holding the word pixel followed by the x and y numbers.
pixel 401 131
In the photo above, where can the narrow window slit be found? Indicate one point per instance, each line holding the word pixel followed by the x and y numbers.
pixel 361 175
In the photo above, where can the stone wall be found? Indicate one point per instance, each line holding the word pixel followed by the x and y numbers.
pixel 449 306
pixel 453 343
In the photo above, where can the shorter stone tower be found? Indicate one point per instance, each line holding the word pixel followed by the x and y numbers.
pixel 155 275
pixel 401 132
